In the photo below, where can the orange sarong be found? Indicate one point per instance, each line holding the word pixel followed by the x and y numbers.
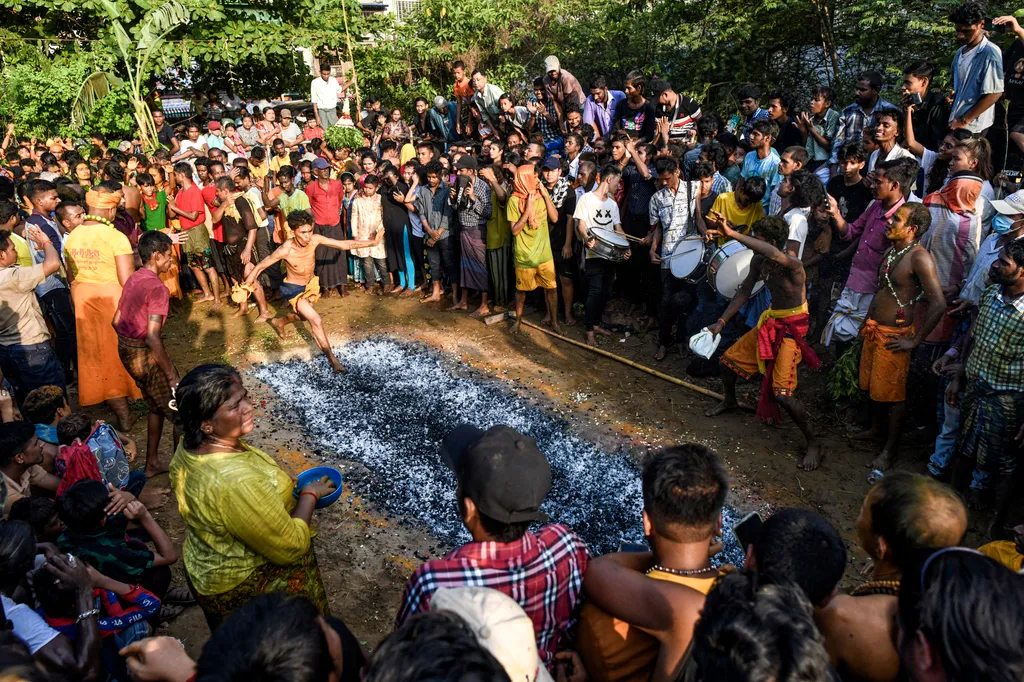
pixel 101 376
pixel 883 372
pixel 170 278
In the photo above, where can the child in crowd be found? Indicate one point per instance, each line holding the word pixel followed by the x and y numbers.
pixel 95 526
pixel 41 514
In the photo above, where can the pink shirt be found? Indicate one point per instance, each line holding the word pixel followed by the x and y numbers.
pixel 144 294
pixel 870 227
pixel 326 203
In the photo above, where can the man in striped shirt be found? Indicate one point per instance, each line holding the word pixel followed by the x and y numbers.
pixel 502 480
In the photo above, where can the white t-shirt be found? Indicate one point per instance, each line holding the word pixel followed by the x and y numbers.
pixel 29 626
pixel 796 218
pixel 597 213
pixel 291 133
pixel 897 152
pixel 324 94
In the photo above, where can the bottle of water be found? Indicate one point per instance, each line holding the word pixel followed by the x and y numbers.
pixel 875 476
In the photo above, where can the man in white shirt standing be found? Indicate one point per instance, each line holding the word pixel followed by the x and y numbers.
pixel 323 93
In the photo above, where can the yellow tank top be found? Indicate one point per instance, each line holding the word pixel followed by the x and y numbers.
pixel 612 650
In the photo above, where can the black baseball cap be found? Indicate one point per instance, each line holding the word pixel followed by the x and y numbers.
pixel 466 162
pixel 551 163
pixel 501 470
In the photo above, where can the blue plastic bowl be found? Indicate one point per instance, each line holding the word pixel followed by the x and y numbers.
pixel 310 475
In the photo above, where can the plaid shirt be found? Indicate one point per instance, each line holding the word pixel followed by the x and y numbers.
pixel 550 131
pixel 543 572
pixel 675 214
pixel 478 212
pixel 997 357
pixel 851 125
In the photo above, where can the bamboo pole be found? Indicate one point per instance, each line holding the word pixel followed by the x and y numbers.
pixel 351 58
pixel 635 365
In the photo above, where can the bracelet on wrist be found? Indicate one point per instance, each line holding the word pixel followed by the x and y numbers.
pixel 310 492
pixel 87 614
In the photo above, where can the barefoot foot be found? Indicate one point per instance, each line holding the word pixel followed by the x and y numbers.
pixel 480 312
pixel 812 460
pixel 722 408
pixel 662 352
pixel 278 325
pixel 883 461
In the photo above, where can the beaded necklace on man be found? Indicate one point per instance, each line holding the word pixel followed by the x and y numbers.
pixel 96 219
pixel 892 259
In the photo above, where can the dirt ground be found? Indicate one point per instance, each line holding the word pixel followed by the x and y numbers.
pixel 365 555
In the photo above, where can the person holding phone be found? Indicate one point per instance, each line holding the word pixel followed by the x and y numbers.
pixel 929 109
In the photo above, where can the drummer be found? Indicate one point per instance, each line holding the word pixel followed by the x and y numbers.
pixel 597 210
pixel 741 208
pixel 671 213
pixel 779 333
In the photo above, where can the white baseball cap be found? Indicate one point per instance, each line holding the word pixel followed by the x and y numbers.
pixel 551 63
pixel 1012 204
pixel 500 625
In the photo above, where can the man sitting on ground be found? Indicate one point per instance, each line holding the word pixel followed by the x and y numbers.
pixel 641 608
pixel 902 515
pixel 502 480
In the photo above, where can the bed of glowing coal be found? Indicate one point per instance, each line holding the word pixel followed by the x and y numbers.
pixel 397 400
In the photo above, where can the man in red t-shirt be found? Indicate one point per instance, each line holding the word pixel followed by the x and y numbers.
pixel 325 201
pixel 140 317
pixel 190 208
pixel 217 171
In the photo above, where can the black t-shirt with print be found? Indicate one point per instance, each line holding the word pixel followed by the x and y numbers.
pixel 852 199
pixel 1013 73
pixel 635 122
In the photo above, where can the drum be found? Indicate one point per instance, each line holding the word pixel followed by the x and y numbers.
pixel 610 245
pixel 689 260
pixel 729 267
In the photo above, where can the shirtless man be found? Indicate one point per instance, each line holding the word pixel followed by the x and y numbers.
pixel 903 516
pixel 782 327
pixel 301 288
pixel 907 275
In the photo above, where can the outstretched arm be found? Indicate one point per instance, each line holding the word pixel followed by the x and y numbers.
pixel 758 246
pixel 349 244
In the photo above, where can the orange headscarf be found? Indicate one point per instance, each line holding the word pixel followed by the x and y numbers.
pixel 523 186
pixel 94 199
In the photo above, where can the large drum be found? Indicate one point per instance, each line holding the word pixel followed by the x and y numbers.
pixel 729 267
pixel 610 245
pixel 689 260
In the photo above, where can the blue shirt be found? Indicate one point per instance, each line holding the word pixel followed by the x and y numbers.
pixel 602 116
pixel 49 228
pixel 767 168
pixel 978 74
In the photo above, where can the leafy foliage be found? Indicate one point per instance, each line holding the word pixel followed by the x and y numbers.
pixel 340 137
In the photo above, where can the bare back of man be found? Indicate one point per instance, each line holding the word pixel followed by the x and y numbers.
pixel 785 278
pixel 859 634
pixel 907 275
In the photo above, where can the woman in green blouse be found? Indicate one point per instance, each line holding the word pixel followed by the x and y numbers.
pixel 247 533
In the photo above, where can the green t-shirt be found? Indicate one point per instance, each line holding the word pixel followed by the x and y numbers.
pixel 499 230
pixel 155 218
pixel 532 245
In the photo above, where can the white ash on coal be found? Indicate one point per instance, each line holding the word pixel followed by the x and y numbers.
pixel 396 401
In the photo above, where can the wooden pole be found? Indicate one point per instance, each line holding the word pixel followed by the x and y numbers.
pixel 351 59
pixel 636 365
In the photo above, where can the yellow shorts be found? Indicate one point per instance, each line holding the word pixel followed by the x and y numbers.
pixel 742 359
pixel 528 279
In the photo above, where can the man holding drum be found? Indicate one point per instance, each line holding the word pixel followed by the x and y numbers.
pixel 597 210
pixel 779 332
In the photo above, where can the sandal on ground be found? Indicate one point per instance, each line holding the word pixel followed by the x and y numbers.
pixel 169 612
pixel 180 596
